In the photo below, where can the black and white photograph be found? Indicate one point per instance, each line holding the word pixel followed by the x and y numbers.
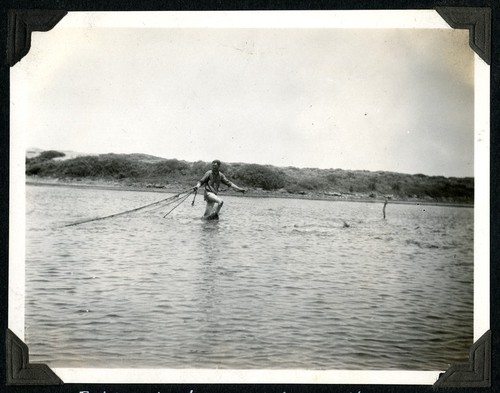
pixel 250 196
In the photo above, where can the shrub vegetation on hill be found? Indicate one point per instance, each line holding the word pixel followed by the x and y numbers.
pixel 140 169
pixel 259 176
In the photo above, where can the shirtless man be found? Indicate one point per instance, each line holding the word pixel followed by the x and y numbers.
pixel 212 180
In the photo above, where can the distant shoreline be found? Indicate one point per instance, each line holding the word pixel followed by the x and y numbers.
pixel 251 193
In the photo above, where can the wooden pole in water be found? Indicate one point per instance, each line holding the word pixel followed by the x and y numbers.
pixel 195 193
pixel 383 210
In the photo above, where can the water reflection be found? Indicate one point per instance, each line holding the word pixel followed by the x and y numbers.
pixel 207 287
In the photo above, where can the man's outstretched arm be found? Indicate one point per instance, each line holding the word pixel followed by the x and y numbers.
pixel 232 185
pixel 228 183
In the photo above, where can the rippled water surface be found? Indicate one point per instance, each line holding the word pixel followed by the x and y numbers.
pixel 275 283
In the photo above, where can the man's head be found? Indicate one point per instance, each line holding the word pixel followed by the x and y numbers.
pixel 215 165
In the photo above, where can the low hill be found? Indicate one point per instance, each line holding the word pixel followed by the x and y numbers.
pixel 141 170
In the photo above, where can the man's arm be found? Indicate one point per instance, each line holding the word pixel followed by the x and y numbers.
pixel 225 181
pixel 202 181
pixel 237 188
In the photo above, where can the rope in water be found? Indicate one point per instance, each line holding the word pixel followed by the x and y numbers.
pixel 175 207
pixel 169 199
pixel 163 205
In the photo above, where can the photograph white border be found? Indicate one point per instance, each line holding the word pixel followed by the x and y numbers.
pixel 422 19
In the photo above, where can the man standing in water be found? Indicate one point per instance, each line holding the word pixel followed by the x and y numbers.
pixel 212 180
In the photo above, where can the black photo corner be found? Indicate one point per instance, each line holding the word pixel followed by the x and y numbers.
pixel 19 19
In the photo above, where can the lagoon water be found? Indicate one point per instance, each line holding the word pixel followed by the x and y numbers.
pixel 275 283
